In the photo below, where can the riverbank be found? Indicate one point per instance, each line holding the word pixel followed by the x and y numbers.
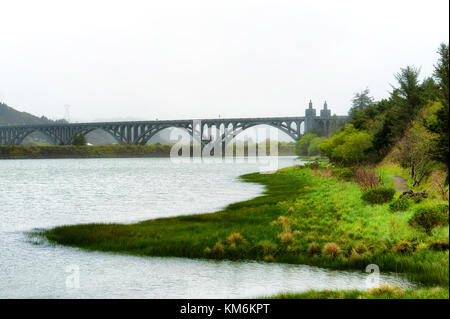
pixel 305 217
pixel 95 151
pixel 102 151
pixel 383 292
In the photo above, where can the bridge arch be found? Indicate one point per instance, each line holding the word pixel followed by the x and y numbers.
pixel 150 132
pixel 21 135
pixel 293 133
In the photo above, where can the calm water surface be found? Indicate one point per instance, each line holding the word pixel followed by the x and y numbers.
pixel 45 193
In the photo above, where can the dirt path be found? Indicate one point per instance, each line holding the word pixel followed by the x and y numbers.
pixel 400 183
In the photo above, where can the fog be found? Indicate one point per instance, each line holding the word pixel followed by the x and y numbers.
pixel 175 59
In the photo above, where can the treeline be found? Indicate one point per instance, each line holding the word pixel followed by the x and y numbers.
pixel 411 125
pixel 105 151
pixel 70 151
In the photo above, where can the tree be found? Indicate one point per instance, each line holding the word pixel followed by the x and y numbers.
pixel 79 140
pixel 430 89
pixel 302 145
pixel 415 147
pixel 439 124
pixel 313 148
pixel 360 102
pixel 410 89
pixel 405 103
pixel 347 147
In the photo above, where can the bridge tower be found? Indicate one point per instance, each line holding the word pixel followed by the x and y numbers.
pixel 310 116
pixel 325 113
pixel 325 120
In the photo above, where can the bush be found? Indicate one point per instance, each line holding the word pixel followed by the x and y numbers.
pixel 302 145
pixel 378 195
pixel 312 165
pixel 366 178
pixel 439 245
pixel 344 173
pixel 399 205
pixel 331 249
pixel 429 217
pixel 313 148
pixel 347 147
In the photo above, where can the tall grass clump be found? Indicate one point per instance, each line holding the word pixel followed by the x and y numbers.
pixel 366 178
pixel 331 249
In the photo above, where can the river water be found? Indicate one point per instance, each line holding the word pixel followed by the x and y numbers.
pixel 36 194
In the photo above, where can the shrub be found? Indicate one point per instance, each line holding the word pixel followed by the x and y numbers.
pixel 429 217
pixel 236 238
pixel 302 145
pixel 314 249
pixel 439 184
pixel 399 205
pixel 312 165
pixel 331 249
pixel 313 148
pixel 438 245
pixel 378 195
pixel 344 173
pixel 366 178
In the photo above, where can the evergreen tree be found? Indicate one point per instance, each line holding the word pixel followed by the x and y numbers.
pixel 360 102
pixel 440 124
pixel 79 140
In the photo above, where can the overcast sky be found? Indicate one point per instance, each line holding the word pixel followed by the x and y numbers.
pixel 174 59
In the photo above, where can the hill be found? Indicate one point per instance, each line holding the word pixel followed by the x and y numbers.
pixel 10 116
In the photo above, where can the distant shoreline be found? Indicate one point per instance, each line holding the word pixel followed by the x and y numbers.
pixel 94 151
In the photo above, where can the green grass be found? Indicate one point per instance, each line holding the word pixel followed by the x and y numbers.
pixel 384 292
pixel 299 208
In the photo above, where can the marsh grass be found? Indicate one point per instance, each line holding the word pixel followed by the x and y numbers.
pixel 296 217
pixel 383 292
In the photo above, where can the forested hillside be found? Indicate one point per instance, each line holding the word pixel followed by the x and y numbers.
pixel 10 116
pixel 410 128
